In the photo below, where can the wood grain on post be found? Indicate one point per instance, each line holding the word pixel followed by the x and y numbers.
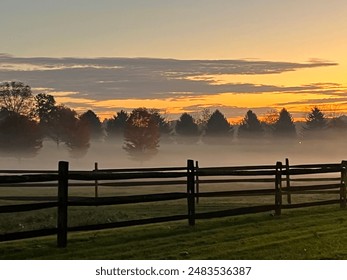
pixel 63 176
pixel 197 181
pixel 96 191
pixel 289 195
pixel 191 192
pixel 278 188
pixel 343 184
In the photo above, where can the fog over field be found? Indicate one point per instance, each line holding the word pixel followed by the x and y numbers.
pixel 112 155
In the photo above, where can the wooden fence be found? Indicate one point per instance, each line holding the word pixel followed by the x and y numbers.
pixel 283 178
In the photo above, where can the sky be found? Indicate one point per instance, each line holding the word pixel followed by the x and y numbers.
pixel 179 56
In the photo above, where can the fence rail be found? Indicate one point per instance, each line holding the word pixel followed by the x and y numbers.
pixel 280 175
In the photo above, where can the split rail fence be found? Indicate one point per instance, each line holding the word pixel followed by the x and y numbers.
pixel 282 180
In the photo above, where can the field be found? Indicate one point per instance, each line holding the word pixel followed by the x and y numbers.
pixel 311 233
pixel 88 215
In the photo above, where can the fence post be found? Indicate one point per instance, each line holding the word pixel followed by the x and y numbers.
pixel 289 195
pixel 278 188
pixel 63 175
pixel 191 192
pixel 197 181
pixel 96 181
pixel 343 184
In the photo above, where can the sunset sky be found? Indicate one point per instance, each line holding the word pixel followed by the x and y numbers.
pixel 179 56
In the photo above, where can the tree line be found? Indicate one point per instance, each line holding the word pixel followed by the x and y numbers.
pixel 27 119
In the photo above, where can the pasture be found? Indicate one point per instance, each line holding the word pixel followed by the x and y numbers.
pixel 278 231
pixel 310 233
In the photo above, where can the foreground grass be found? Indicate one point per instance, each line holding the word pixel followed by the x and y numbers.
pixel 312 233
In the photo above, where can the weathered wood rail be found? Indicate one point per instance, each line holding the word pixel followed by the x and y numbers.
pixel 283 177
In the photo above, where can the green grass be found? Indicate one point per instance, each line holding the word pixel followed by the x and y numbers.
pixel 311 233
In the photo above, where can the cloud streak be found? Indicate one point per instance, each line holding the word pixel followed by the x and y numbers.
pixel 103 79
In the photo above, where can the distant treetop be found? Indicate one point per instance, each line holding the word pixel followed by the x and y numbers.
pixel 284 127
pixel 250 126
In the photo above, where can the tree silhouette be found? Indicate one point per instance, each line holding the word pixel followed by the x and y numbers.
pixel 187 129
pixel 217 129
pixel 45 105
pixel 250 127
pixel 316 123
pixel 269 120
pixel 18 98
pixel 337 128
pixel 115 126
pixel 92 122
pixel 45 108
pixel 77 138
pixel 141 135
pixel 205 115
pixel 61 124
pixel 284 127
pixel 19 135
pixel 163 125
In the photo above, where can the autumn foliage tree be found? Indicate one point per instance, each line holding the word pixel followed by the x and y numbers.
pixel 62 125
pixel 20 136
pixel 77 138
pixel 141 135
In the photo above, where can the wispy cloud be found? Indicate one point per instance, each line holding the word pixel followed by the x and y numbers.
pixel 315 101
pixel 103 79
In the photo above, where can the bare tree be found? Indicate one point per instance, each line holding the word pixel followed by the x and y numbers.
pixel 18 98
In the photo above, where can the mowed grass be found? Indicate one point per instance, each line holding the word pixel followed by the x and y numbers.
pixel 310 233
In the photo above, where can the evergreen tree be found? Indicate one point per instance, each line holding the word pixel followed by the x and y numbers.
pixel 186 129
pixel 284 127
pixel 163 125
pixel 141 135
pixel 316 123
pixel 217 129
pixel 250 127
pixel 115 126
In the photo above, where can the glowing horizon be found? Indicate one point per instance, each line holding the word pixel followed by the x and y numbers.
pixel 179 57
